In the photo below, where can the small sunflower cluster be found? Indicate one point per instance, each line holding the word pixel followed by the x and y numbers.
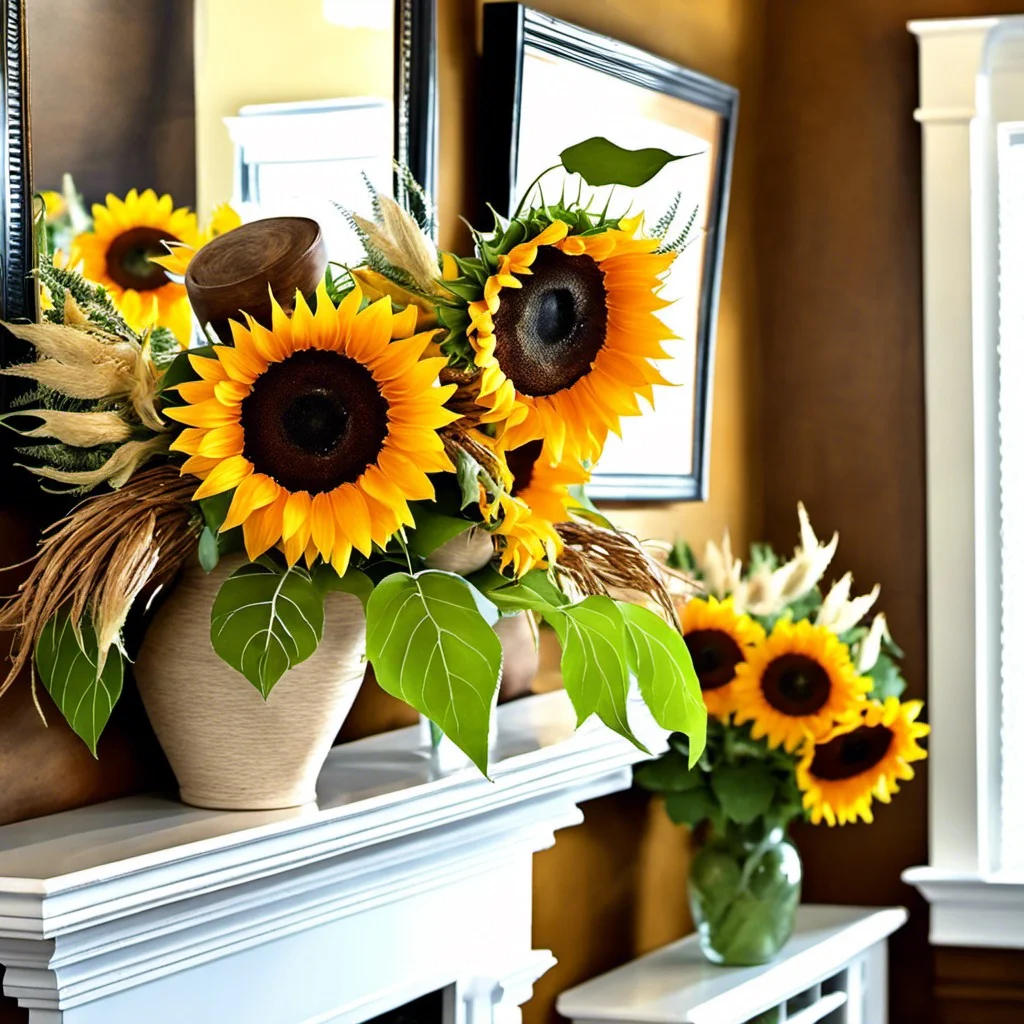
pixel 803 700
pixel 343 435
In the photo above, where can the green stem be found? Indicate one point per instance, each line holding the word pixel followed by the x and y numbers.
pixel 533 185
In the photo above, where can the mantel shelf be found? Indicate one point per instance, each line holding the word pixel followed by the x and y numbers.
pixel 99 903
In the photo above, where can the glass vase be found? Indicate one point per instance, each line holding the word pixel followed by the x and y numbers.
pixel 744 891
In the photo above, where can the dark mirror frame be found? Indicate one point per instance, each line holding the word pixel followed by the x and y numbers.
pixel 415 138
pixel 509 28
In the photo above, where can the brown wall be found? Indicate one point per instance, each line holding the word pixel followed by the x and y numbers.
pixel 839 279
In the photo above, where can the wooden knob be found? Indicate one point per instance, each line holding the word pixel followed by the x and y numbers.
pixel 230 274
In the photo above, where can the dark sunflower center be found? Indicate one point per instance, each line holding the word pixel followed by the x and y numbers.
pixel 715 656
pixel 521 462
pixel 855 752
pixel 129 258
pixel 796 685
pixel 314 421
pixel 548 333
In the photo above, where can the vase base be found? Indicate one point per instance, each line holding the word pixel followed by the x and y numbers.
pixel 281 802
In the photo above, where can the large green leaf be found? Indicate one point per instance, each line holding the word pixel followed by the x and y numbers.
pixel 745 791
pixel 691 807
pixel 68 669
pixel 600 162
pixel 430 646
pixel 669 773
pixel 665 674
pixel 594 669
pixel 265 620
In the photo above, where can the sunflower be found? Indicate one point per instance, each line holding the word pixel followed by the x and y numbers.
pixel 799 680
pixel 324 426
pixel 564 333
pixel 537 499
pixel 223 219
pixel 864 756
pixel 120 254
pixel 718 639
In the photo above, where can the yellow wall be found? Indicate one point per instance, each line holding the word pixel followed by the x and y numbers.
pixel 616 886
pixel 267 51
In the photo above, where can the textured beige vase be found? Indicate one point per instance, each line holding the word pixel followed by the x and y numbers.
pixel 464 554
pixel 228 747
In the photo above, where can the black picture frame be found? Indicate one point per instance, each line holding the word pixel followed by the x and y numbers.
pixel 17 287
pixel 416 93
pixel 511 28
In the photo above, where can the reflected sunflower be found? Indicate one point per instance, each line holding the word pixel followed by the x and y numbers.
pixel 538 498
pixel 862 758
pixel 121 250
pixel 564 334
pixel 223 219
pixel 322 424
pixel 719 639
pixel 799 680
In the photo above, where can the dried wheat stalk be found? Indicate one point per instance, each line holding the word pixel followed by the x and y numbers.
pixel 597 560
pixel 98 559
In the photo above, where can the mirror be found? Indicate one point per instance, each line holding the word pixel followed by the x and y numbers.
pixel 547 74
pixel 277 109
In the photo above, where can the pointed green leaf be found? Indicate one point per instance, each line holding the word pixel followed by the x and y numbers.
pixel 600 162
pixel 68 671
pixel 665 674
pixel 467 472
pixel 745 791
pixel 593 638
pixel 431 647
pixel 209 552
pixel 265 620
pixel 692 807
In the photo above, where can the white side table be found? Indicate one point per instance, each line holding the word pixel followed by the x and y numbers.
pixel 832 970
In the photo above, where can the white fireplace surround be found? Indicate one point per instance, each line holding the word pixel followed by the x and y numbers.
pixel 405 879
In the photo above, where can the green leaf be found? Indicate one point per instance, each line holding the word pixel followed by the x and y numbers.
pixel 667 774
pixel 587 509
pixel 434 529
pixel 666 677
pixel 467 472
pixel 886 678
pixel 68 669
pixel 430 646
pixel 594 669
pixel 690 808
pixel 600 162
pixel 266 620
pixel 355 582
pixel 209 550
pixel 745 791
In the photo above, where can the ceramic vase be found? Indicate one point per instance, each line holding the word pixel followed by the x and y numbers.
pixel 229 748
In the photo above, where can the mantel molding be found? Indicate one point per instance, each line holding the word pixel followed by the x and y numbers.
pixel 412 877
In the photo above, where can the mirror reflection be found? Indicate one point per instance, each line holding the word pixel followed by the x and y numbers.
pixel 262 109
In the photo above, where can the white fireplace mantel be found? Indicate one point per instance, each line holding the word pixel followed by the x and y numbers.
pixel 405 879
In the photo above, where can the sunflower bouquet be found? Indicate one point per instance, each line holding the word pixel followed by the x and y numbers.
pixel 414 433
pixel 805 721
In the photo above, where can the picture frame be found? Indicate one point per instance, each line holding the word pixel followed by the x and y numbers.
pixel 529 54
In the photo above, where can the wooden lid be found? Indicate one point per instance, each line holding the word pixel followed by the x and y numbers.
pixel 231 273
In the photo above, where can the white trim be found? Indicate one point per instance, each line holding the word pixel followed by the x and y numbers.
pixel 970 909
pixel 972 902
pixel 835 957
pixel 410 877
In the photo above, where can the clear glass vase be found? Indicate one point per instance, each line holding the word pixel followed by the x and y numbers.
pixel 744 891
